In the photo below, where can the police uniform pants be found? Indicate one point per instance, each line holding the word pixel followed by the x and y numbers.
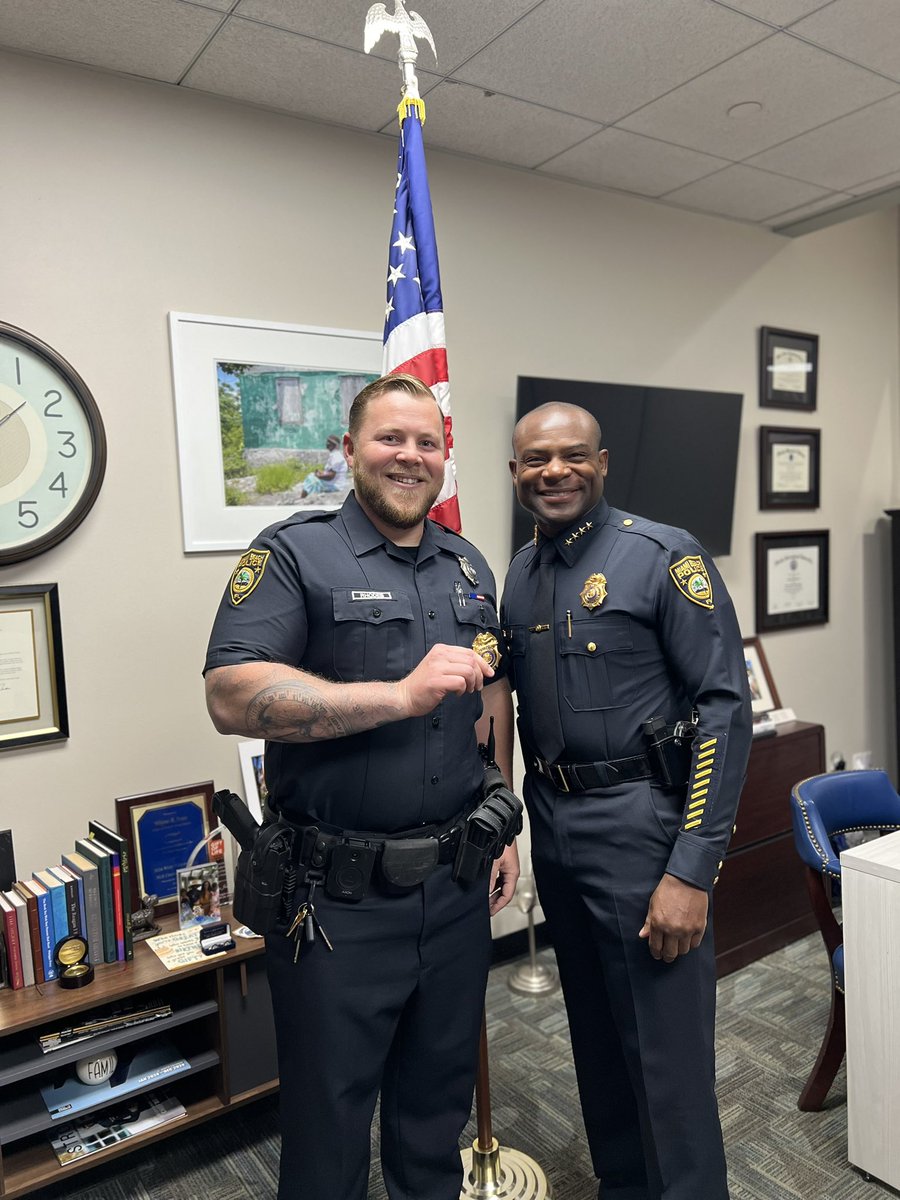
pixel 396 1007
pixel 642 1030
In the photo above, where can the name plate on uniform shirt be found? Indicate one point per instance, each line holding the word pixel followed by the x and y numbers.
pixel 371 595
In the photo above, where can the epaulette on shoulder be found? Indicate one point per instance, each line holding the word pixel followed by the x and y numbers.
pixel 301 518
pixel 667 536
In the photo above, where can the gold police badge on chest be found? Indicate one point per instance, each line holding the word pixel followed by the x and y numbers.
pixel 692 580
pixel 247 574
pixel 594 591
pixel 486 646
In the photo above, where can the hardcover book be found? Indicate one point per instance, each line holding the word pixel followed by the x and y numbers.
pixel 140 1064
pixel 30 938
pixel 117 1125
pixel 87 872
pixel 74 899
pixel 13 953
pixel 102 860
pixel 115 841
pixel 45 915
pixel 56 890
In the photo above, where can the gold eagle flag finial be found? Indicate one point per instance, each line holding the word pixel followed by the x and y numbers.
pixel 408 26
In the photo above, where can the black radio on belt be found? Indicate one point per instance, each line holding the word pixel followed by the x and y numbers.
pixel 670 749
pixel 263 866
pixel 490 827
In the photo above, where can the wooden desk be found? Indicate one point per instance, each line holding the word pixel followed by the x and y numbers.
pixel 870 885
pixel 760 902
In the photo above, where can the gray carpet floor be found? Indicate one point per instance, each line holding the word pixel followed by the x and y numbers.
pixel 772 1016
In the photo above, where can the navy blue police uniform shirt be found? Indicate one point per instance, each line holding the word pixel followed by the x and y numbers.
pixel 327 593
pixel 653 633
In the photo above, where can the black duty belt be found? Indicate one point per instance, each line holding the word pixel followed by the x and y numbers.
pixel 315 841
pixel 582 777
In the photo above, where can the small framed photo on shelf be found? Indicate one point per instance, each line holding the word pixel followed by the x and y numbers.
pixel 763 693
pixel 788 467
pixel 791 579
pixel 33 692
pixel 788 369
pixel 162 830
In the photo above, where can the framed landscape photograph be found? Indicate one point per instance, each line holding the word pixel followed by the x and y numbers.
pixel 763 693
pixel 788 369
pixel 791 579
pixel 261 409
pixel 789 467
pixel 162 830
pixel 32 680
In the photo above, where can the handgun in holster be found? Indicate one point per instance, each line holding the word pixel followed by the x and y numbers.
pixel 670 749
pixel 492 825
pixel 265 875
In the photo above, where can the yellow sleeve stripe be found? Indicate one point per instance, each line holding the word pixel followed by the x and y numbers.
pixel 701 804
pixel 711 742
pixel 693 824
pixel 695 795
pixel 704 774
pixel 709 756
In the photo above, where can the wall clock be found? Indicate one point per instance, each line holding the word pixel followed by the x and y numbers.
pixel 52 447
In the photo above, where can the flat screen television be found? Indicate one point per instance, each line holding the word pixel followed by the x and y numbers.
pixel 672 452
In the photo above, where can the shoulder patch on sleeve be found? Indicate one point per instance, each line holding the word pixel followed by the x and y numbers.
pixel 692 579
pixel 247 574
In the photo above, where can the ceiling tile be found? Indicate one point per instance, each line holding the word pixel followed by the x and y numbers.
pixel 745 193
pixel 459 117
pixel 778 12
pixel 295 74
pixel 458 29
pixel 218 5
pixel 614 158
pixel 601 61
pixel 153 38
pixel 798 86
pixel 868 31
pixel 844 152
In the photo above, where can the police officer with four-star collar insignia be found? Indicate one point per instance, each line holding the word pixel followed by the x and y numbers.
pixel 363 645
pixel 634 717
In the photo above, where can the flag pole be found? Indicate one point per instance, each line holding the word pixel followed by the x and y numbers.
pixel 489 1170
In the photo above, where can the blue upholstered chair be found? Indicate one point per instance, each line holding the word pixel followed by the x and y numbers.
pixel 822 808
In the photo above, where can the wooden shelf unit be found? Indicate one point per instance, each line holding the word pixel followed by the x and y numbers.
pixel 221 1023
pixel 760 902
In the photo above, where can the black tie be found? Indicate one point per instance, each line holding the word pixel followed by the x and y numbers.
pixel 546 727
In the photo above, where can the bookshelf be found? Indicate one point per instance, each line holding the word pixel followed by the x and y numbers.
pixel 221 1023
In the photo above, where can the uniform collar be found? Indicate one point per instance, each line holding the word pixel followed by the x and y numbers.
pixel 570 543
pixel 365 537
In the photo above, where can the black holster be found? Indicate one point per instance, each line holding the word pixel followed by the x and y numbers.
pixel 670 749
pixel 489 828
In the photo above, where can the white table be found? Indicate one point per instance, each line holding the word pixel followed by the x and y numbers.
pixel 871 914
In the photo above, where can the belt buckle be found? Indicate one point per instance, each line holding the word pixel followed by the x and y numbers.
pixel 562 778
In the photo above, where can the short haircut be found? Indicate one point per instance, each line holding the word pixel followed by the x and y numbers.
pixel 408 384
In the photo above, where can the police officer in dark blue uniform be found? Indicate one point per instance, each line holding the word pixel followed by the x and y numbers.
pixel 363 645
pixel 634 717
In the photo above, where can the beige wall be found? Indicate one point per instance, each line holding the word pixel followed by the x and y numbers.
pixel 122 201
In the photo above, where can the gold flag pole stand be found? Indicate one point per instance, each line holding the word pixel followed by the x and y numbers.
pixel 492 1171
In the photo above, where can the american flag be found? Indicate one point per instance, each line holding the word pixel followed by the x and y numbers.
pixel 414 340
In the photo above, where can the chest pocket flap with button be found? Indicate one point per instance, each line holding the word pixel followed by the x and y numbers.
pixel 597 664
pixel 372 637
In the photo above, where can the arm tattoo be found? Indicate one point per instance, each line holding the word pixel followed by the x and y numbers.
pixel 295 711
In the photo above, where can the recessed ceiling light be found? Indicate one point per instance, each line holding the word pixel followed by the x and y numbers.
pixel 746 108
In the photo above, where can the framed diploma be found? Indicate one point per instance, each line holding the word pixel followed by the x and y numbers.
pixel 788 369
pixel 788 467
pixel 32 680
pixel 162 830
pixel 763 693
pixel 791 579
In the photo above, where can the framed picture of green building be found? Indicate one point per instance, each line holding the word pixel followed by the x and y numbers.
pixel 261 411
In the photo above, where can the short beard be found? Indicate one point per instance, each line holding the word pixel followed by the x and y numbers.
pixel 399 515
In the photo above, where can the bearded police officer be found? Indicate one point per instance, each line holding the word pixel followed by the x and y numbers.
pixel 635 721
pixel 362 644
